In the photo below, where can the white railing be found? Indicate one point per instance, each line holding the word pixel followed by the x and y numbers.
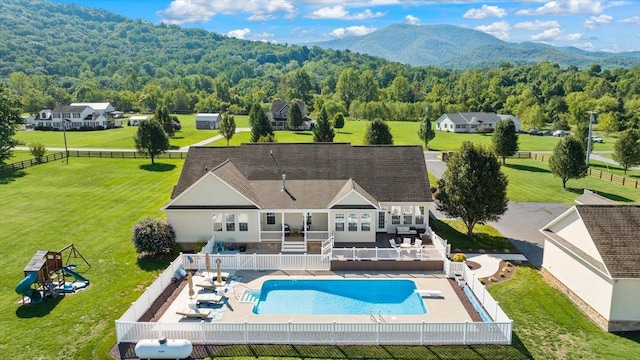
pixel 451 268
pixel 317 235
pixel 256 262
pixel 271 235
pixel 320 333
pixel 412 253
pixel 327 245
pixel 441 245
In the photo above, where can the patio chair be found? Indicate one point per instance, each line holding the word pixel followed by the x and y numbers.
pixel 406 240
pixel 393 244
pixel 418 243
pixel 209 298
pixel 194 313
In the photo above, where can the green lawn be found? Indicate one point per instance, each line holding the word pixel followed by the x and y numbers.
pixel 531 180
pixel 19 155
pixel 92 203
pixel 485 237
pixel 120 138
pixel 549 326
pixel 632 173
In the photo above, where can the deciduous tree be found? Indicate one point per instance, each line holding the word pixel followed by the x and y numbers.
pixel 163 117
pixel 378 133
pixel 505 140
pixel 227 127
pixel 151 139
pixel 627 149
pixel 473 188
pixel 568 160
pixel 37 150
pixel 338 121
pixel 9 119
pixel 323 131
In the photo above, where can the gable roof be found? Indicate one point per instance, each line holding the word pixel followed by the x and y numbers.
pixel 98 106
pixel 471 117
pixel 70 108
pixel 315 172
pixel 591 198
pixel 613 229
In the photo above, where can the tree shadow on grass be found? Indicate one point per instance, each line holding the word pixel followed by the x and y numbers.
pixel 344 132
pixel 158 167
pixel 304 133
pixel 149 263
pixel 38 310
pixel 6 178
pixel 460 241
pixel 174 147
pixel 527 168
pixel 630 335
pixel 614 197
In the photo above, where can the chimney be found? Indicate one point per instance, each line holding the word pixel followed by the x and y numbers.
pixel 284 182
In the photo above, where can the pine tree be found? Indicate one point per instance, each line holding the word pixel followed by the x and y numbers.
pixel 294 116
pixel 378 133
pixel 323 131
pixel 505 140
pixel 338 121
pixel 426 132
pixel 568 160
pixel 227 127
pixel 261 126
pixel 473 188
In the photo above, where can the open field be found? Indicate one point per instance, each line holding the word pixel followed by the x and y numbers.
pixel 120 138
pixel 551 327
pixel 92 203
pixel 531 180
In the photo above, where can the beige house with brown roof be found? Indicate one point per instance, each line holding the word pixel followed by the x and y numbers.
pixel 592 253
pixel 296 194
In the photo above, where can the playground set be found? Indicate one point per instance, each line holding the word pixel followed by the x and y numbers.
pixel 47 272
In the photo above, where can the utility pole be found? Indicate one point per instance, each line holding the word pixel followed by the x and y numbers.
pixel 592 119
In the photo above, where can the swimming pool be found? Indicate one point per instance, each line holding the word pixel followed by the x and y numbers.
pixel 339 297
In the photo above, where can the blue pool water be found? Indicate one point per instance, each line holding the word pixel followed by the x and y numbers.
pixel 339 297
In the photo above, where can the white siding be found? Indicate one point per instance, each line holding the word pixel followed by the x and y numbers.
pixel 210 190
pixel 572 229
pixel 589 284
pixel 197 225
pixel 354 236
pixel 353 198
pixel 626 293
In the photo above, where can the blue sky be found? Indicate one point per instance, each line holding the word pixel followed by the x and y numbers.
pixel 607 25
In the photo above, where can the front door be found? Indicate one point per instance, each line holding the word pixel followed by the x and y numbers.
pixel 381 221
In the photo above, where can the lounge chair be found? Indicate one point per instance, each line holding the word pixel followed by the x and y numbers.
pixel 214 275
pixel 393 244
pixel 209 298
pixel 211 285
pixel 194 313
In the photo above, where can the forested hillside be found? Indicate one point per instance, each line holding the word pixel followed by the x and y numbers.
pixel 52 54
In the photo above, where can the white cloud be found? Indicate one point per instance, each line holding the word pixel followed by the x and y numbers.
pixel 194 11
pixel 500 30
pixel 631 20
pixel 536 25
pixel 246 33
pixel 484 12
pixel 565 7
pixel 549 34
pixel 584 46
pixel 596 21
pixel 575 36
pixel 340 13
pixel 411 20
pixel 352 31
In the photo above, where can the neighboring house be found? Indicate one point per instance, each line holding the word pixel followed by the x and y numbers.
pixel 44 115
pixel 248 193
pixel 76 116
pixel 590 198
pixel 280 111
pixel 591 254
pixel 136 120
pixel 208 121
pixel 470 122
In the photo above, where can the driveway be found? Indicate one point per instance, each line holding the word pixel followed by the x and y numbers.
pixel 521 223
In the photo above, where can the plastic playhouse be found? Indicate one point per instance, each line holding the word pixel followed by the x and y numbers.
pixel 47 275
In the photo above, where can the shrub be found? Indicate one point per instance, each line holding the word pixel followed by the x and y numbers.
pixel 153 237
pixel 199 246
pixel 37 150
pixel 482 280
pixel 492 279
pixel 506 269
pixel 508 264
pixel 502 274
pixel 459 257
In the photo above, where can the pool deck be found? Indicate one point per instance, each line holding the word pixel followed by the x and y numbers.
pixel 442 309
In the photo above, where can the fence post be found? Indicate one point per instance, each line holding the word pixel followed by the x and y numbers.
pixel 289 333
pixel 623 179
pixel 246 334
pixel 333 334
pixel 464 333
pixel 204 335
pixel 422 333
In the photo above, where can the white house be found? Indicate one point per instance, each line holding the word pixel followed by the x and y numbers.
pixel 104 108
pixel 208 121
pixel 470 122
pixel 591 254
pixel 291 195
pixel 76 116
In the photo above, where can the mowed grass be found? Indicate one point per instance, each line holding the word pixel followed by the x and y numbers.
pixel 92 203
pixel 121 138
pixel 531 180
pixel 551 327
pixel 484 236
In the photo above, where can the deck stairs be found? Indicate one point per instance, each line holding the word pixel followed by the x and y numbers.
pixel 293 246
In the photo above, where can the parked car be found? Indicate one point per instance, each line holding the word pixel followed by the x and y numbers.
pixel 561 133
pixel 547 133
pixel 535 132
pixel 597 139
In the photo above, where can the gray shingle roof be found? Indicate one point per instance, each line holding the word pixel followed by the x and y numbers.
pixel 315 172
pixel 468 117
pixel 614 230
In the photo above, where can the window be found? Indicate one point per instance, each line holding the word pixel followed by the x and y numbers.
pixel 243 222
pixel 217 222
pixel 57 115
pixel 395 215
pixel 66 115
pixel 408 214
pixel 353 222
pixel 76 115
pixel 419 215
pixel 271 218
pixel 365 222
pixel 230 221
pixel 339 222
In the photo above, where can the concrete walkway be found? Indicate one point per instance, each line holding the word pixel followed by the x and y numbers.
pixel 212 139
pixel 490 263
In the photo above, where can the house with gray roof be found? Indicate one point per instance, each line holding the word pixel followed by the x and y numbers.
pixel 76 116
pixel 470 122
pixel 294 196
pixel 591 254
pixel 279 112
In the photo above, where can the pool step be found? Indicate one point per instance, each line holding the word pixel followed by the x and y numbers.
pixel 248 297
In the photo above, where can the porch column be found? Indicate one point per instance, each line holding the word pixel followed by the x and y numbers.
pixel 282 225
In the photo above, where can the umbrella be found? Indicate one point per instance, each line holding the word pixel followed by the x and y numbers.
pixel 207 263
pixel 190 280
pixel 219 278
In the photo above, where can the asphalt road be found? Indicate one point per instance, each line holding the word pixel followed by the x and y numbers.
pixel 521 223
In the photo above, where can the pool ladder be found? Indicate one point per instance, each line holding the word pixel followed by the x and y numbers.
pixel 246 296
pixel 377 319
